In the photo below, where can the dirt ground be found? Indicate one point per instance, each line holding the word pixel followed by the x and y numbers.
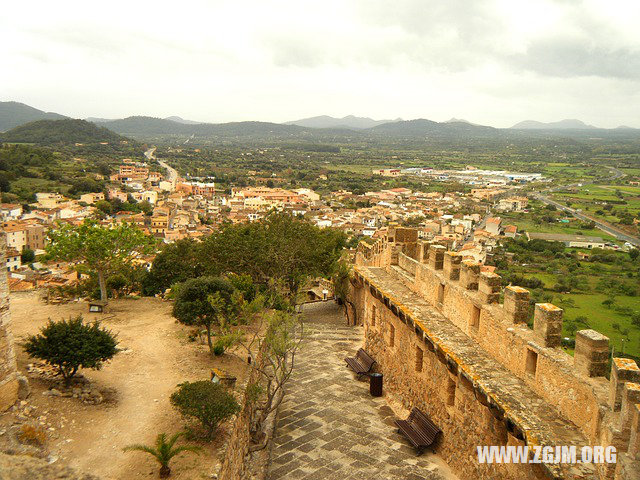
pixel 158 356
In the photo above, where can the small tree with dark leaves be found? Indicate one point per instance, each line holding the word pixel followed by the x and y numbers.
pixel 207 402
pixel 71 344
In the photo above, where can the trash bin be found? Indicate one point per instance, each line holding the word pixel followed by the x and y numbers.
pixel 375 384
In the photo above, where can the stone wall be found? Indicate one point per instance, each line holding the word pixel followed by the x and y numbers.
pixel 445 344
pixel 8 371
pixel 236 461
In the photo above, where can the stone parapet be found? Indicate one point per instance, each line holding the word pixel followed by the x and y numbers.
pixel 516 304
pixel 547 324
pixel 622 370
pixel 451 267
pixel 489 284
pixel 469 272
pixel 591 356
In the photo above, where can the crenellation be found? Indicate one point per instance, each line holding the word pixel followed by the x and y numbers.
pixel 516 304
pixel 591 355
pixel 630 398
pixel 489 287
pixel 634 438
pixel 547 324
pixel 469 272
pixel 622 370
pixel 451 267
pixel 436 257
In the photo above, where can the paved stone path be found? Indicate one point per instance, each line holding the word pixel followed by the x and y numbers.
pixel 329 427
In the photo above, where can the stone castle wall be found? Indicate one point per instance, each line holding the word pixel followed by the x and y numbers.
pixel 8 370
pixel 446 345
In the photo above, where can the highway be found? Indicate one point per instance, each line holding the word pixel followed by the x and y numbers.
pixel 619 234
pixel 172 173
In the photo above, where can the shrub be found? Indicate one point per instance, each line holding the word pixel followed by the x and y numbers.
pixel 70 345
pixel 218 348
pixel 207 402
pixel 32 435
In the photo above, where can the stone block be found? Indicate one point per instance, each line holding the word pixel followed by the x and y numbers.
pixel 622 370
pixel 489 284
pixel 469 272
pixel 547 323
pixel 591 356
pixel 630 398
pixel 436 257
pixel 451 266
pixel 634 440
pixel 516 304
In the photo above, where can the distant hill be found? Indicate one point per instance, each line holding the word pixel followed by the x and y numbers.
pixel 570 124
pixel 422 127
pixel 182 120
pixel 325 121
pixel 13 114
pixel 98 120
pixel 145 126
pixel 45 132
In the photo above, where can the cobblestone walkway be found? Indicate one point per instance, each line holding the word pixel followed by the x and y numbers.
pixel 329 427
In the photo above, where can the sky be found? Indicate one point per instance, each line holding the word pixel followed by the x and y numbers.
pixel 494 62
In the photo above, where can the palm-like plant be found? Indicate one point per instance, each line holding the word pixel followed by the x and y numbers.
pixel 164 450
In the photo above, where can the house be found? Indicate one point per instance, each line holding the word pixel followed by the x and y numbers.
pixel 493 225
pixel 510 231
pixel 14 260
pixel 91 198
pixel 513 204
pixel 10 211
pixel 387 172
pixel 571 241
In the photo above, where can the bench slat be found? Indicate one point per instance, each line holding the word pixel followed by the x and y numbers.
pixel 419 429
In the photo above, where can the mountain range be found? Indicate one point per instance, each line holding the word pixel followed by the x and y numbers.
pixel 569 124
pixel 350 121
pixel 322 128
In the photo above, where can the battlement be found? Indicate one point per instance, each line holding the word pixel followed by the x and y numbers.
pixel 451 308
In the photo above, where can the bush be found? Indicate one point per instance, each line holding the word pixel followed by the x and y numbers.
pixel 207 402
pixel 218 348
pixel 70 345
pixel 32 435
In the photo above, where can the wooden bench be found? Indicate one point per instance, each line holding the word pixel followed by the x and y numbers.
pixel 419 429
pixel 361 363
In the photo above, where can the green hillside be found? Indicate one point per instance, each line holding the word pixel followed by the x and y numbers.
pixel 14 114
pixel 48 132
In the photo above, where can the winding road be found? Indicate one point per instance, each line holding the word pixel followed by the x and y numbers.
pixel 172 173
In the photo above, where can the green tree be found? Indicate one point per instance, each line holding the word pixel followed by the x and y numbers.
pixel 71 344
pixel 176 263
pixel 280 247
pixel 204 301
pixel 104 250
pixel 164 450
pixel 209 403
pixel 28 256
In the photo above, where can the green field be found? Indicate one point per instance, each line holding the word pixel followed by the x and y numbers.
pixel 601 318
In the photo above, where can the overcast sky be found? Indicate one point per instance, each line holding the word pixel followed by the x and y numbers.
pixel 494 62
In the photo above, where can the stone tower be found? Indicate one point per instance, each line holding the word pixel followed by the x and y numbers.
pixel 8 369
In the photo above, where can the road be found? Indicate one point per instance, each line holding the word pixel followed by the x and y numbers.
pixel 172 173
pixel 605 227
pixel 616 232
